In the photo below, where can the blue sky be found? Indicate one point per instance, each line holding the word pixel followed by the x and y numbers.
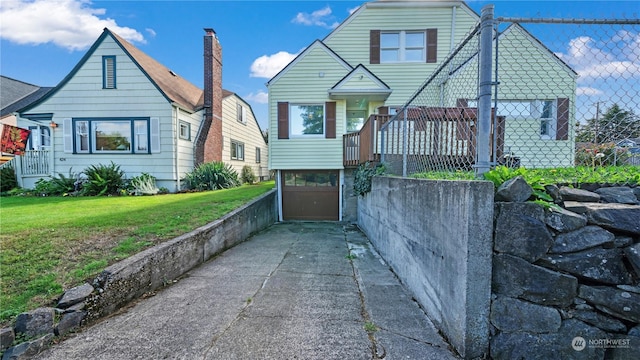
pixel 42 40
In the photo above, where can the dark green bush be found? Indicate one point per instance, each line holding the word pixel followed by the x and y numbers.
pixel 363 176
pixel 248 177
pixel 103 180
pixel 60 185
pixel 211 176
pixel 8 179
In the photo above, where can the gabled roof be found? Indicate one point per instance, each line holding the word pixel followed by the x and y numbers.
pixel 400 4
pixel 16 94
pixel 360 81
pixel 173 87
pixel 314 45
pixel 539 44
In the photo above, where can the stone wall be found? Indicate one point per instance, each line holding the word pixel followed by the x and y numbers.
pixel 565 281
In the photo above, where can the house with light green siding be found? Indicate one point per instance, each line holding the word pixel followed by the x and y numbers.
pixel 354 79
pixel 120 105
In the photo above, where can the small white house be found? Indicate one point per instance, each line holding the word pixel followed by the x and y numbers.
pixel 120 105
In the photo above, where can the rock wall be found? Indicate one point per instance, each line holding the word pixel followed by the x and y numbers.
pixel 565 281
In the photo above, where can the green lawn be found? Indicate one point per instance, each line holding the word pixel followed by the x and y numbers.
pixel 48 244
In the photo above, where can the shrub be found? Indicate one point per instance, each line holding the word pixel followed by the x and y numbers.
pixel 247 175
pixel 363 176
pixel 103 180
pixel 145 184
pixel 601 155
pixel 211 176
pixel 60 185
pixel 8 179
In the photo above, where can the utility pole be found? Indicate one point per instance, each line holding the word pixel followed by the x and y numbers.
pixel 597 125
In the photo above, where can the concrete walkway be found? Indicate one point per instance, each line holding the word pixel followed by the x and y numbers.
pixel 294 291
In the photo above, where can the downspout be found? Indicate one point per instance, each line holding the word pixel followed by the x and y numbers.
pixel 177 150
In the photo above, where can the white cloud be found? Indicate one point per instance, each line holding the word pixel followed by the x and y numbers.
pixel 70 24
pixel 320 17
pixel 609 58
pixel 260 97
pixel 151 32
pixel 267 66
pixel 588 91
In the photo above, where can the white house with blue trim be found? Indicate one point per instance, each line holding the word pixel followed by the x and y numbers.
pixel 119 105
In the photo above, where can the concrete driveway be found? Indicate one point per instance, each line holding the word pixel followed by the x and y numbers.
pixel 294 291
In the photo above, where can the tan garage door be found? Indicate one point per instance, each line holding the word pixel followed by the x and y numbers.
pixel 310 195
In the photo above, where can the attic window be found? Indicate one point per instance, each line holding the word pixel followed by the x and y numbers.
pixel 108 72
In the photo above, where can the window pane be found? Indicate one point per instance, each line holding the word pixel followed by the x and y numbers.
pixel 141 135
pixel 389 55
pixel 112 136
pixel 389 40
pixel 414 40
pixel 547 109
pixel 513 109
pixel 82 136
pixel 413 55
pixel 307 119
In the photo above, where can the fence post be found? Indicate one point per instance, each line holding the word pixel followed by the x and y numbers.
pixel 405 147
pixel 484 91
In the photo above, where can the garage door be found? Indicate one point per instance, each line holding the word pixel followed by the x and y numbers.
pixel 310 195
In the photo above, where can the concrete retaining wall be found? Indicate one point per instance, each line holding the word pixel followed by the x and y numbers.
pixel 148 270
pixel 437 237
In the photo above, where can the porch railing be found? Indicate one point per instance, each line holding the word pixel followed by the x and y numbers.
pixel 364 145
pixel 34 162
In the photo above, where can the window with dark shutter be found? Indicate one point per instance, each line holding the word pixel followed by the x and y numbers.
pixel 330 115
pixel 562 132
pixel 374 47
pixel 283 120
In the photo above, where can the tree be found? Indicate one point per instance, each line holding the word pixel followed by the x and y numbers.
pixel 614 125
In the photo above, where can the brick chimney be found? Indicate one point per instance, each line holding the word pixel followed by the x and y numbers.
pixel 209 141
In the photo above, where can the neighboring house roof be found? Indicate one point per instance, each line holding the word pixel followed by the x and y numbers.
pixel 173 87
pixel 16 94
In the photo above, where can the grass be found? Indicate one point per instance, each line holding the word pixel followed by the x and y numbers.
pixel 48 244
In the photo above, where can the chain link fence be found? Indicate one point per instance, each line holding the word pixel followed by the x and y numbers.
pixel 563 93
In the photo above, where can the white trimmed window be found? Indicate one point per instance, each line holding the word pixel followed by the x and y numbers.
pixel 402 46
pixel 109 72
pixel 237 150
pixel 112 136
pixel 306 119
pixel 241 113
pixel 184 130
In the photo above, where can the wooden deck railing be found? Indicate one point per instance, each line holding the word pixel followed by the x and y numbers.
pixel 362 146
pixel 433 133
